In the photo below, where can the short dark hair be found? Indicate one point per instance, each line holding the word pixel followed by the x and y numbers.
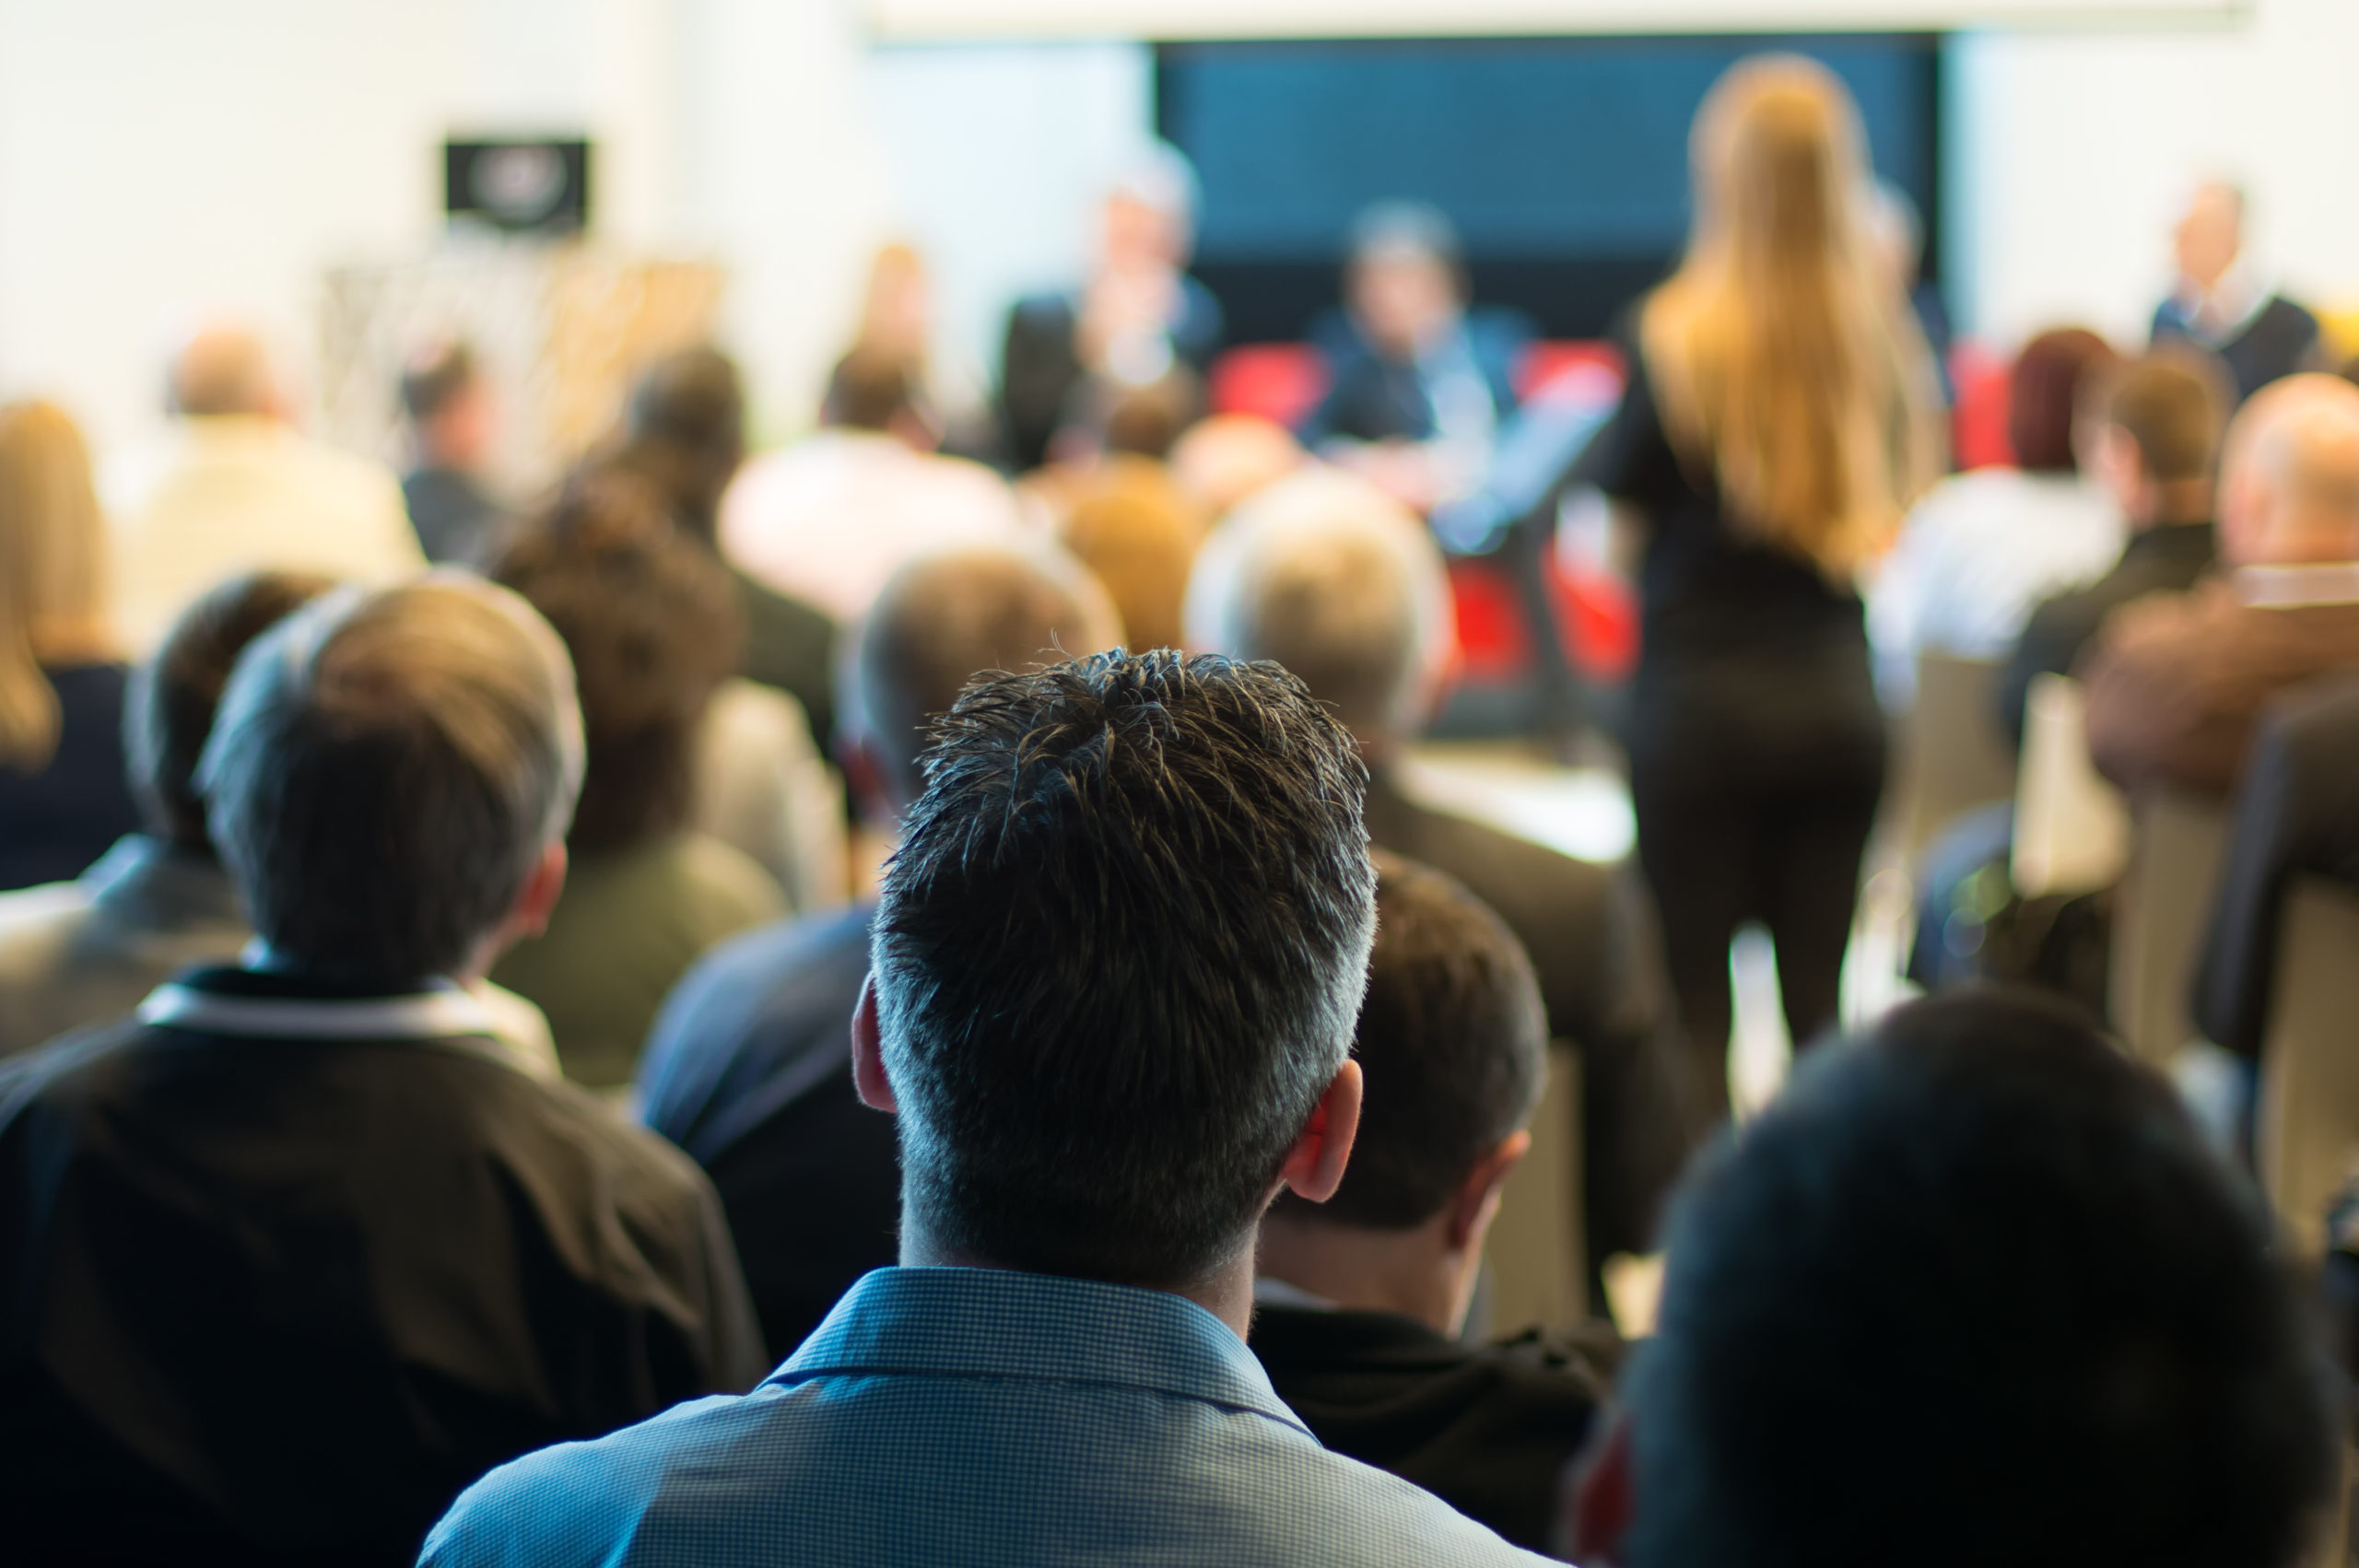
pixel 385 771
pixel 1117 959
pixel 685 433
pixel 435 376
pixel 869 389
pixel 173 695
pixel 2172 404
pixel 948 616
pixel 2044 394
pixel 1408 226
pixel 654 625
pixel 1975 1291
pixel 1452 1043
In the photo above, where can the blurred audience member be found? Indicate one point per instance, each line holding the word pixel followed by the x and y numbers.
pixel 1982 548
pixel 896 323
pixel 749 1067
pixel 831 517
pixel 2295 816
pixel 297 1252
pixel 63 798
pixel 2222 301
pixel 2176 684
pixel 649 620
pixel 685 433
pixel 1343 586
pixel 1362 1299
pixel 2156 452
pixel 1778 423
pixel 1975 1292
pixel 1222 460
pixel 452 424
pixel 87 951
pixel 1137 316
pixel 1116 964
pixel 1139 539
pixel 1419 384
pixel 233 489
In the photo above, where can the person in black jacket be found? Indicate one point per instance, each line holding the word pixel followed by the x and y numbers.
pixel 2157 451
pixel 1329 577
pixel 298 1251
pixel 1362 1298
pixel 2220 302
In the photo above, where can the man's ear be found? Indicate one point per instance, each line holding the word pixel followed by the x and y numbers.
pixel 543 889
pixel 1478 1195
pixel 868 1053
pixel 1314 1166
pixel 1599 1502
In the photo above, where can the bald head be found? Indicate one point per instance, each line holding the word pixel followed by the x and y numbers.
pixel 946 616
pixel 2290 474
pixel 1338 582
pixel 222 368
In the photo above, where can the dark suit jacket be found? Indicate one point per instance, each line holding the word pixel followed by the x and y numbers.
pixel 2169 559
pixel 2281 340
pixel 1039 367
pixel 1594 944
pixel 749 1070
pixel 2178 681
pixel 2297 815
pixel 455 518
pixel 1489 1430
pixel 1371 398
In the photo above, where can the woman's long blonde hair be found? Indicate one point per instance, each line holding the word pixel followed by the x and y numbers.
pixel 1783 354
pixel 53 572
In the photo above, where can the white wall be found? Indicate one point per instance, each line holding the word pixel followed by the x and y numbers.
pixel 2070 155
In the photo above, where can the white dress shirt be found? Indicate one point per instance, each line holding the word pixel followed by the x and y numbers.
pixel 828 519
pixel 238 493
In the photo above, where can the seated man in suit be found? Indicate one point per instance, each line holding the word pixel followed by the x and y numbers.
pixel 2221 301
pixel 1343 587
pixel 1419 385
pixel 2176 683
pixel 1362 1298
pixel 447 403
pixel 2157 447
pixel 297 1252
pixel 1975 1291
pixel 1117 959
pixel 749 1066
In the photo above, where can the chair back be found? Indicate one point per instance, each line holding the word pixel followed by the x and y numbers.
pixel 1952 755
pixel 2307 1141
pixel 2167 897
pixel 1537 1251
pixel 2071 827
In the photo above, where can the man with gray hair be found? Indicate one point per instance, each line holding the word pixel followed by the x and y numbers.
pixel 1332 578
pixel 232 487
pixel 297 1251
pixel 749 1068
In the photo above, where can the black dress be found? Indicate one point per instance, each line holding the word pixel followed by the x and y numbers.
pixel 1756 745
pixel 53 824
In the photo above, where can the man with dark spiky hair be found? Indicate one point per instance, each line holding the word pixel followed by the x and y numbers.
pixel 1116 965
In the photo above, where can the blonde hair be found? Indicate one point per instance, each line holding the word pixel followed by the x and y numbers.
pixel 1782 352
pixel 53 571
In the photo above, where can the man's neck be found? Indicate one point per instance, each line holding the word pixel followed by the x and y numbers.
pixel 2174 506
pixel 1410 1272
pixel 1226 1293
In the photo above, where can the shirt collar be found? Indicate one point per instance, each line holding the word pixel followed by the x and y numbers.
pixel 999 1323
pixel 2218 314
pixel 2292 588
pixel 260 1005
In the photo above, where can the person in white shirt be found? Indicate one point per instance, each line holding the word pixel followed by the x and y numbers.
pixel 1983 549
pixel 234 488
pixel 831 517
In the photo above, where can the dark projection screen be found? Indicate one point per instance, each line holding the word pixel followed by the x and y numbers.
pixel 1562 161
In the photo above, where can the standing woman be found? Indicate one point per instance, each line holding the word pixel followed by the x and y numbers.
pixel 1779 418
pixel 64 797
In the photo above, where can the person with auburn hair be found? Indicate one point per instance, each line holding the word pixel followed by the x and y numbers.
pixel 63 796
pixel 1779 419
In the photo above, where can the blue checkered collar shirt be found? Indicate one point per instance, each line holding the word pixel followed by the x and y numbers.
pixel 971 1416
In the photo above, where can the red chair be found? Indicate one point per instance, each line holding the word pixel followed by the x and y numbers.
pixel 1278 381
